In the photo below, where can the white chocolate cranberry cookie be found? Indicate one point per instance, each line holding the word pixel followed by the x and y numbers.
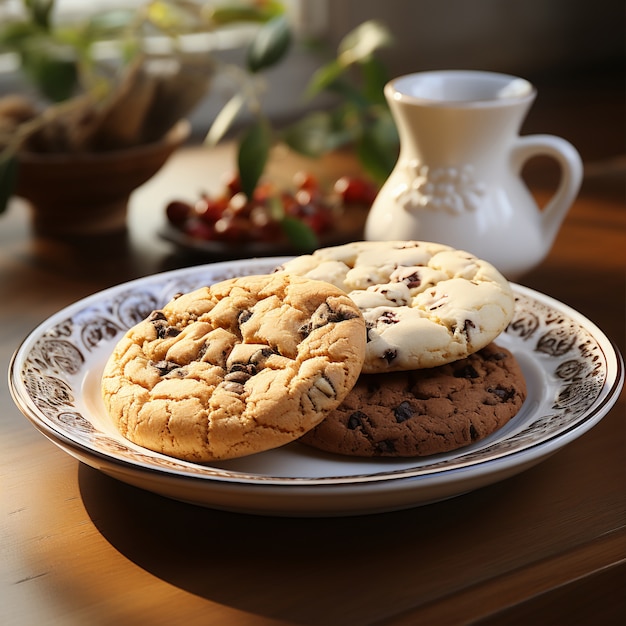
pixel 425 304
pixel 239 367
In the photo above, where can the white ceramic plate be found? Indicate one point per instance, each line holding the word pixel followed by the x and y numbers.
pixel 574 375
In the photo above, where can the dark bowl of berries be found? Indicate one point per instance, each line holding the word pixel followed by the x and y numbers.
pixel 275 220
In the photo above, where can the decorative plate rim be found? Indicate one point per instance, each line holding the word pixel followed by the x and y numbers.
pixel 600 372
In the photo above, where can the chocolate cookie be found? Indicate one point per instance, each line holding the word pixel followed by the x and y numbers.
pixel 425 304
pixel 424 412
pixel 239 367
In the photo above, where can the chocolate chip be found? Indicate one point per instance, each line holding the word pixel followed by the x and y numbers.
pixel 248 368
pixel 413 280
pixel 504 395
pixel 467 371
pixel 237 388
pixel 403 412
pixel 243 317
pixel 172 331
pixel 386 446
pixel 156 315
pixel 388 317
pixel 261 355
pixel 473 432
pixel 467 326
pixel 160 324
pixel 254 364
pixel 237 376
pixel 325 314
pixel 390 355
pixel 164 367
pixel 407 245
pixel 356 420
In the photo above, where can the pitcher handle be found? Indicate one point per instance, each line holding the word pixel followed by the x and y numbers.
pixel 570 181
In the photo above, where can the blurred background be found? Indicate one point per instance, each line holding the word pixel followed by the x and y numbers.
pixel 520 36
pixel 558 44
pixel 574 53
pixel 561 46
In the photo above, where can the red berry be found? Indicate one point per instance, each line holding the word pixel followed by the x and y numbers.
pixel 264 192
pixel 233 228
pixel 353 190
pixel 177 212
pixel 305 180
pixel 210 209
pixel 232 182
pixel 264 226
pixel 239 205
pixel 199 229
pixel 319 221
pixel 260 216
pixel 290 204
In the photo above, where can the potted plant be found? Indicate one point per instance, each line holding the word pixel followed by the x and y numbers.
pixel 101 125
pixel 103 114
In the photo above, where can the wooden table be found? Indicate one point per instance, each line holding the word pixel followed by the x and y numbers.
pixel 545 547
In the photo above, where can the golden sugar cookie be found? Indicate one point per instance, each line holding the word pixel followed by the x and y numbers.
pixel 239 367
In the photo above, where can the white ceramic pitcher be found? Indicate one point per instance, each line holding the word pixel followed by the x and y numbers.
pixel 457 180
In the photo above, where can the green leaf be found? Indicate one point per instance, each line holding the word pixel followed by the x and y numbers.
pixel 232 13
pixel 375 78
pixel 318 133
pixel 253 153
pixel 299 234
pixel 8 177
pixel 224 119
pixel 323 77
pixel 377 150
pixel 356 47
pixel 360 43
pixel 40 11
pixel 276 207
pixel 49 68
pixel 309 135
pixel 269 45
pixel 350 95
pixel 56 80
pixel 15 34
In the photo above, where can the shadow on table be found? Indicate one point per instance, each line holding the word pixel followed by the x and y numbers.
pixel 324 570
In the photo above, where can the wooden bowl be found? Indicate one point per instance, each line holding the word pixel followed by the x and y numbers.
pixel 88 193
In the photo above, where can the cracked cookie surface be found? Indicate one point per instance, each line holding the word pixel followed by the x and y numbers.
pixel 425 304
pixel 427 411
pixel 238 367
